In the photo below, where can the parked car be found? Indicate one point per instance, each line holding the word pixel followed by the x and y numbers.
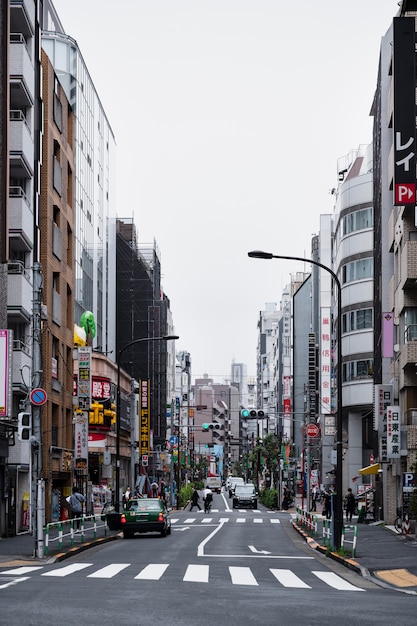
pixel 245 496
pixel 142 515
pixel 231 483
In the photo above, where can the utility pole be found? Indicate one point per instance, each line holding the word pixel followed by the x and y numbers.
pixel 37 486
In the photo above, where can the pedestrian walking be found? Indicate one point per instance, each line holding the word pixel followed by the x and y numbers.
pixel 327 506
pixel 350 502
pixel 126 497
pixel 75 501
pixel 314 494
pixel 194 500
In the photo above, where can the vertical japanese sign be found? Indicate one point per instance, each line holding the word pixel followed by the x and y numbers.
pixel 5 373
pixel 84 378
pixel 81 440
pixel 404 80
pixel 144 418
pixel 393 432
pixel 325 360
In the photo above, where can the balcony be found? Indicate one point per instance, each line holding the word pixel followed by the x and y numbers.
pixel 21 148
pixel 408 353
pixel 22 364
pixel 22 73
pixel 22 17
pixel 20 220
pixel 409 265
pixel 20 293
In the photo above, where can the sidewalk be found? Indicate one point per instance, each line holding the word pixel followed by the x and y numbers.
pixel 19 550
pixel 381 554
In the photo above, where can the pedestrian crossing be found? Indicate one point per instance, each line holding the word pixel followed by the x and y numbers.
pixel 192 573
pixel 215 520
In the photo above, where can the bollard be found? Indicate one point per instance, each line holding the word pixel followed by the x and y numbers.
pixel 405 526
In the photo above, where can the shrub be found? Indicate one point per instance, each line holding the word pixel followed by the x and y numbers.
pixel 269 497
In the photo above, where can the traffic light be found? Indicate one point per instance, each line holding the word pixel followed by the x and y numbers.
pixel 144 460
pixel 252 414
pixel 24 426
pixel 211 426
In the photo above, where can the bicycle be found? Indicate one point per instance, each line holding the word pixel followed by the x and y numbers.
pixel 398 522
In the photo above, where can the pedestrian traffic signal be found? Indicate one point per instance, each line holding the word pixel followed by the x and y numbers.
pixel 144 460
pixel 24 426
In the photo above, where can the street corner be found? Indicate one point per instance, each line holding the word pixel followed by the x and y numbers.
pixel 400 579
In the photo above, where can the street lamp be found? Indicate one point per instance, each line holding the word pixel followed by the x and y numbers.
pixel 338 497
pixel 118 410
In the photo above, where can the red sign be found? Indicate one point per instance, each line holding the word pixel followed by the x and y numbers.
pixel 405 193
pixel 312 430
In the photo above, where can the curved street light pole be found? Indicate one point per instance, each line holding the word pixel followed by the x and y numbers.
pixel 118 409
pixel 338 497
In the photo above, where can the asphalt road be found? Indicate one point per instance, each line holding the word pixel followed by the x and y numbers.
pixel 233 567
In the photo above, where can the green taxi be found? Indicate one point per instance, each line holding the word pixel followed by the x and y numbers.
pixel 145 515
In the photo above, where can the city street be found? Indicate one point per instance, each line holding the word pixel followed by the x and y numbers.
pixel 234 566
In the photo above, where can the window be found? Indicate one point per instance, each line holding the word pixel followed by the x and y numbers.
pixel 357 270
pixel 358 220
pixel 358 370
pixel 360 319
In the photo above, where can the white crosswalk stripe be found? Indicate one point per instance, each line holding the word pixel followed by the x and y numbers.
pixel 69 569
pixel 153 571
pixel 109 571
pixel 335 581
pixel 197 574
pixel 287 578
pixel 194 573
pixel 242 576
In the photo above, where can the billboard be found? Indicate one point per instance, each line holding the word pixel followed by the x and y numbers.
pixel 404 83
pixel 6 373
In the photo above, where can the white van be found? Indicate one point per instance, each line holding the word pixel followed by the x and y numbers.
pixel 231 483
pixel 214 483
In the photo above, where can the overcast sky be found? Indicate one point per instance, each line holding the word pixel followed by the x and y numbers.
pixel 229 117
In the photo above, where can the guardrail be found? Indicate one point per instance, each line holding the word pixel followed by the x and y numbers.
pixel 353 539
pixel 65 531
pixel 307 520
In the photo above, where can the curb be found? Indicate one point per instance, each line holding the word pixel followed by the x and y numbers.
pixel 349 563
pixel 61 556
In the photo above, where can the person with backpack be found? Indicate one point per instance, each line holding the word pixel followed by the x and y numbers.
pixel 194 500
pixel 75 501
pixel 350 502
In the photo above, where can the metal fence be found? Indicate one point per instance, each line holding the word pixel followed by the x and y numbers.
pixel 64 533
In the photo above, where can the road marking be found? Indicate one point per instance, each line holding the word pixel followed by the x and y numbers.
pixel 224 519
pixel 242 576
pixel 197 574
pixel 153 571
pixel 258 520
pixel 69 569
pixel 206 520
pixel 287 578
pixel 21 570
pixel 253 549
pixel 240 520
pixel 109 571
pixel 175 520
pixel 275 520
pixel 14 581
pixel 335 581
pixel 200 549
pixel 189 520
pixel 180 529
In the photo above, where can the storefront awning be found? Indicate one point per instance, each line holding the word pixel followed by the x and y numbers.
pixel 370 469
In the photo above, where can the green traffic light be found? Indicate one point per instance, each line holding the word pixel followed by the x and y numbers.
pixel 245 413
pixel 205 426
